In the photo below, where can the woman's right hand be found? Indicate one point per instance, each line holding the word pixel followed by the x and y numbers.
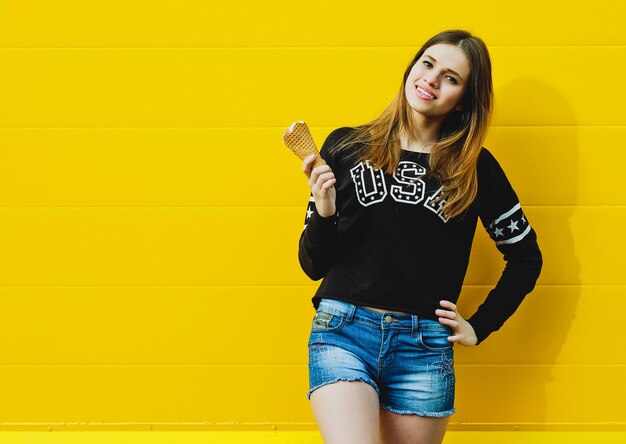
pixel 321 181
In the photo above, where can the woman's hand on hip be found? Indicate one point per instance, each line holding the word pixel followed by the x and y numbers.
pixel 463 331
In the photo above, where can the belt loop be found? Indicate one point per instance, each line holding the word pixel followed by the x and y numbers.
pixel 351 311
pixel 414 326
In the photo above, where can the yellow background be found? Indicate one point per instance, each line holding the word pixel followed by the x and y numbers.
pixel 149 213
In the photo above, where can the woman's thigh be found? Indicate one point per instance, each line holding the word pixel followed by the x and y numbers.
pixel 396 428
pixel 347 412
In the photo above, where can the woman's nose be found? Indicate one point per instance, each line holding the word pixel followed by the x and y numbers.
pixel 431 79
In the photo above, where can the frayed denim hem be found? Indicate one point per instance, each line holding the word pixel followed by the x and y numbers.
pixel 308 394
pixel 429 414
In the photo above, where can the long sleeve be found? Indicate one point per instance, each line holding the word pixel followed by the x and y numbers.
pixel 503 218
pixel 318 241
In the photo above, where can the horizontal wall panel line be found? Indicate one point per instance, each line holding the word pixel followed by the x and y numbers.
pixel 142 127
pixel 30 432
pixel 247 47
pixel 313 285
pixel 264 206
pixel 260 364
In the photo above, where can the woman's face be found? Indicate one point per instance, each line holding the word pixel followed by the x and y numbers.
pixel 433 71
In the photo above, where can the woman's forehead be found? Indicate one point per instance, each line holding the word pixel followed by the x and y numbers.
pixel 448 57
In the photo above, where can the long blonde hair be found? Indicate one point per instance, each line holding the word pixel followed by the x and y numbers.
pixel 454 156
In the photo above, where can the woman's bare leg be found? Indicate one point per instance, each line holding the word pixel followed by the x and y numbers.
pixel 411 429
pixel 347 412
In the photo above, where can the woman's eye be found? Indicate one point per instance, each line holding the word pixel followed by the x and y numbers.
pixel 452 79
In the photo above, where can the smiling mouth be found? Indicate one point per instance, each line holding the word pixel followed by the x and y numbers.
pixel 422 94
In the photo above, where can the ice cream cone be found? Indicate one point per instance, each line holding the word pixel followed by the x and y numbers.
pixel 298 139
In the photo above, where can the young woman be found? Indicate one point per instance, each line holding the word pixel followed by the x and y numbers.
pixel 389 227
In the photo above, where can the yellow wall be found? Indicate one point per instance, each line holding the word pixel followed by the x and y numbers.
pixel 149 213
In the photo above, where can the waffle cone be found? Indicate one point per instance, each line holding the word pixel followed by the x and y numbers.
pixel 298 139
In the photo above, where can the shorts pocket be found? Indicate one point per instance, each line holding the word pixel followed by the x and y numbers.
pixel 325 321
pixel 435 338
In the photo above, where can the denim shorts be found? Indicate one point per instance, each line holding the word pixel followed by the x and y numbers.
pixel 406 358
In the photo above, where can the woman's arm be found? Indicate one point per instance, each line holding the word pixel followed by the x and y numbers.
pixel 318 241
pixel 503 218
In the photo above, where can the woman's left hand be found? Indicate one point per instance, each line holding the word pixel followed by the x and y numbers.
pixel 464 333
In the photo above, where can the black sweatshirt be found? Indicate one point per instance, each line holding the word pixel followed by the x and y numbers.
pixel 388 246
